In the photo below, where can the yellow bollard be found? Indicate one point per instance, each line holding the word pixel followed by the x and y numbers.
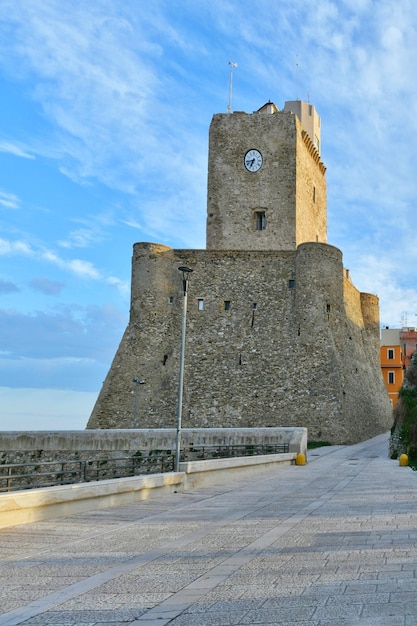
pixel 404 460
pixel 300 459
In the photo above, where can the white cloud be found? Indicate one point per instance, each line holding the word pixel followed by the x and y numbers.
pixel 107 85
pixel 122 286
pixel 15 149
pixel 93 80
pixel 9 200
pixel 14 247
pixel 133 223
pixel 80 238
pixel 82 268
pixel 381 275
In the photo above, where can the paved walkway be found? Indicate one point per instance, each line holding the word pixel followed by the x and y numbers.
pixel 331 542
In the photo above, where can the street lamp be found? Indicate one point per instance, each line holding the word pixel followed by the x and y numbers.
pixel 185 271
pixel 137 381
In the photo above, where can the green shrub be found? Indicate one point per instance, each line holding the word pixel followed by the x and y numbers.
pixel 317 444
pixel 404 429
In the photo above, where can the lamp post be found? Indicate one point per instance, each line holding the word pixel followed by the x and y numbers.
pixel 185 271
pixel 137 381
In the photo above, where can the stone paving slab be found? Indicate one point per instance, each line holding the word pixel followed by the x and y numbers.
pixel 331 542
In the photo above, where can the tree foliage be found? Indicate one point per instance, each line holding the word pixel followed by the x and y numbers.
pixel 404 430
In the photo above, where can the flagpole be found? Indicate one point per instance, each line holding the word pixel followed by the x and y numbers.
pixel 229 106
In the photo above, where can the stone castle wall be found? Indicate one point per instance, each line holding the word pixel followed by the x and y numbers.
pixel 311 192
pixel 297 345
pixel 277 335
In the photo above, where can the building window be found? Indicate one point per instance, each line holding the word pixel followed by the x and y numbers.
pixel 227 305
pixel 171 299
pixel 328 309
pixel 260 220
pixel 200 304
pixel 391 378
pixel 254 305
pixel 291 283
pixel 390 354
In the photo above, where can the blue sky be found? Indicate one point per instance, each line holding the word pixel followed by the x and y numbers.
pixel 104 116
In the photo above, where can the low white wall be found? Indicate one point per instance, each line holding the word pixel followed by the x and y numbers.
pixel 21 507
pixel 213 471
pixel 40 504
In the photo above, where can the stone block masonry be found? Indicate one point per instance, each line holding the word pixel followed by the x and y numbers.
pixel 290 187
pixel 274 338
pixel 277 335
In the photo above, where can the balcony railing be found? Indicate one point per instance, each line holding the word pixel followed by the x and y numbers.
pixel 37 474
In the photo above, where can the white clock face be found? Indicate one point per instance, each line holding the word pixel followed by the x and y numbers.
pixel 253 160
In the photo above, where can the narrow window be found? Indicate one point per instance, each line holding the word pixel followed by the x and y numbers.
pixel 328 308
pixel 291 283
pixel 260 220
pixel 391 378
pixel 227 305
pixel 314 194
pixel 390 354
pixel 254 305
pixel 200 304
pixel 171 299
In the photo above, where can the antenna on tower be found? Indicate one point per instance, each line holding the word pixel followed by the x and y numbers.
pixel 296 76
pixel 229 106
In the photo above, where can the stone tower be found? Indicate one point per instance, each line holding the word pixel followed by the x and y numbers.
pixel 277 334
pixel 266 182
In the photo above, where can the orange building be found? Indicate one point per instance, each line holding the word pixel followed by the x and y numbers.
pixel 392 370
pixel 397 348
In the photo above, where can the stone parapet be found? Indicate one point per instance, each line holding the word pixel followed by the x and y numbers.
pixel 117 440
